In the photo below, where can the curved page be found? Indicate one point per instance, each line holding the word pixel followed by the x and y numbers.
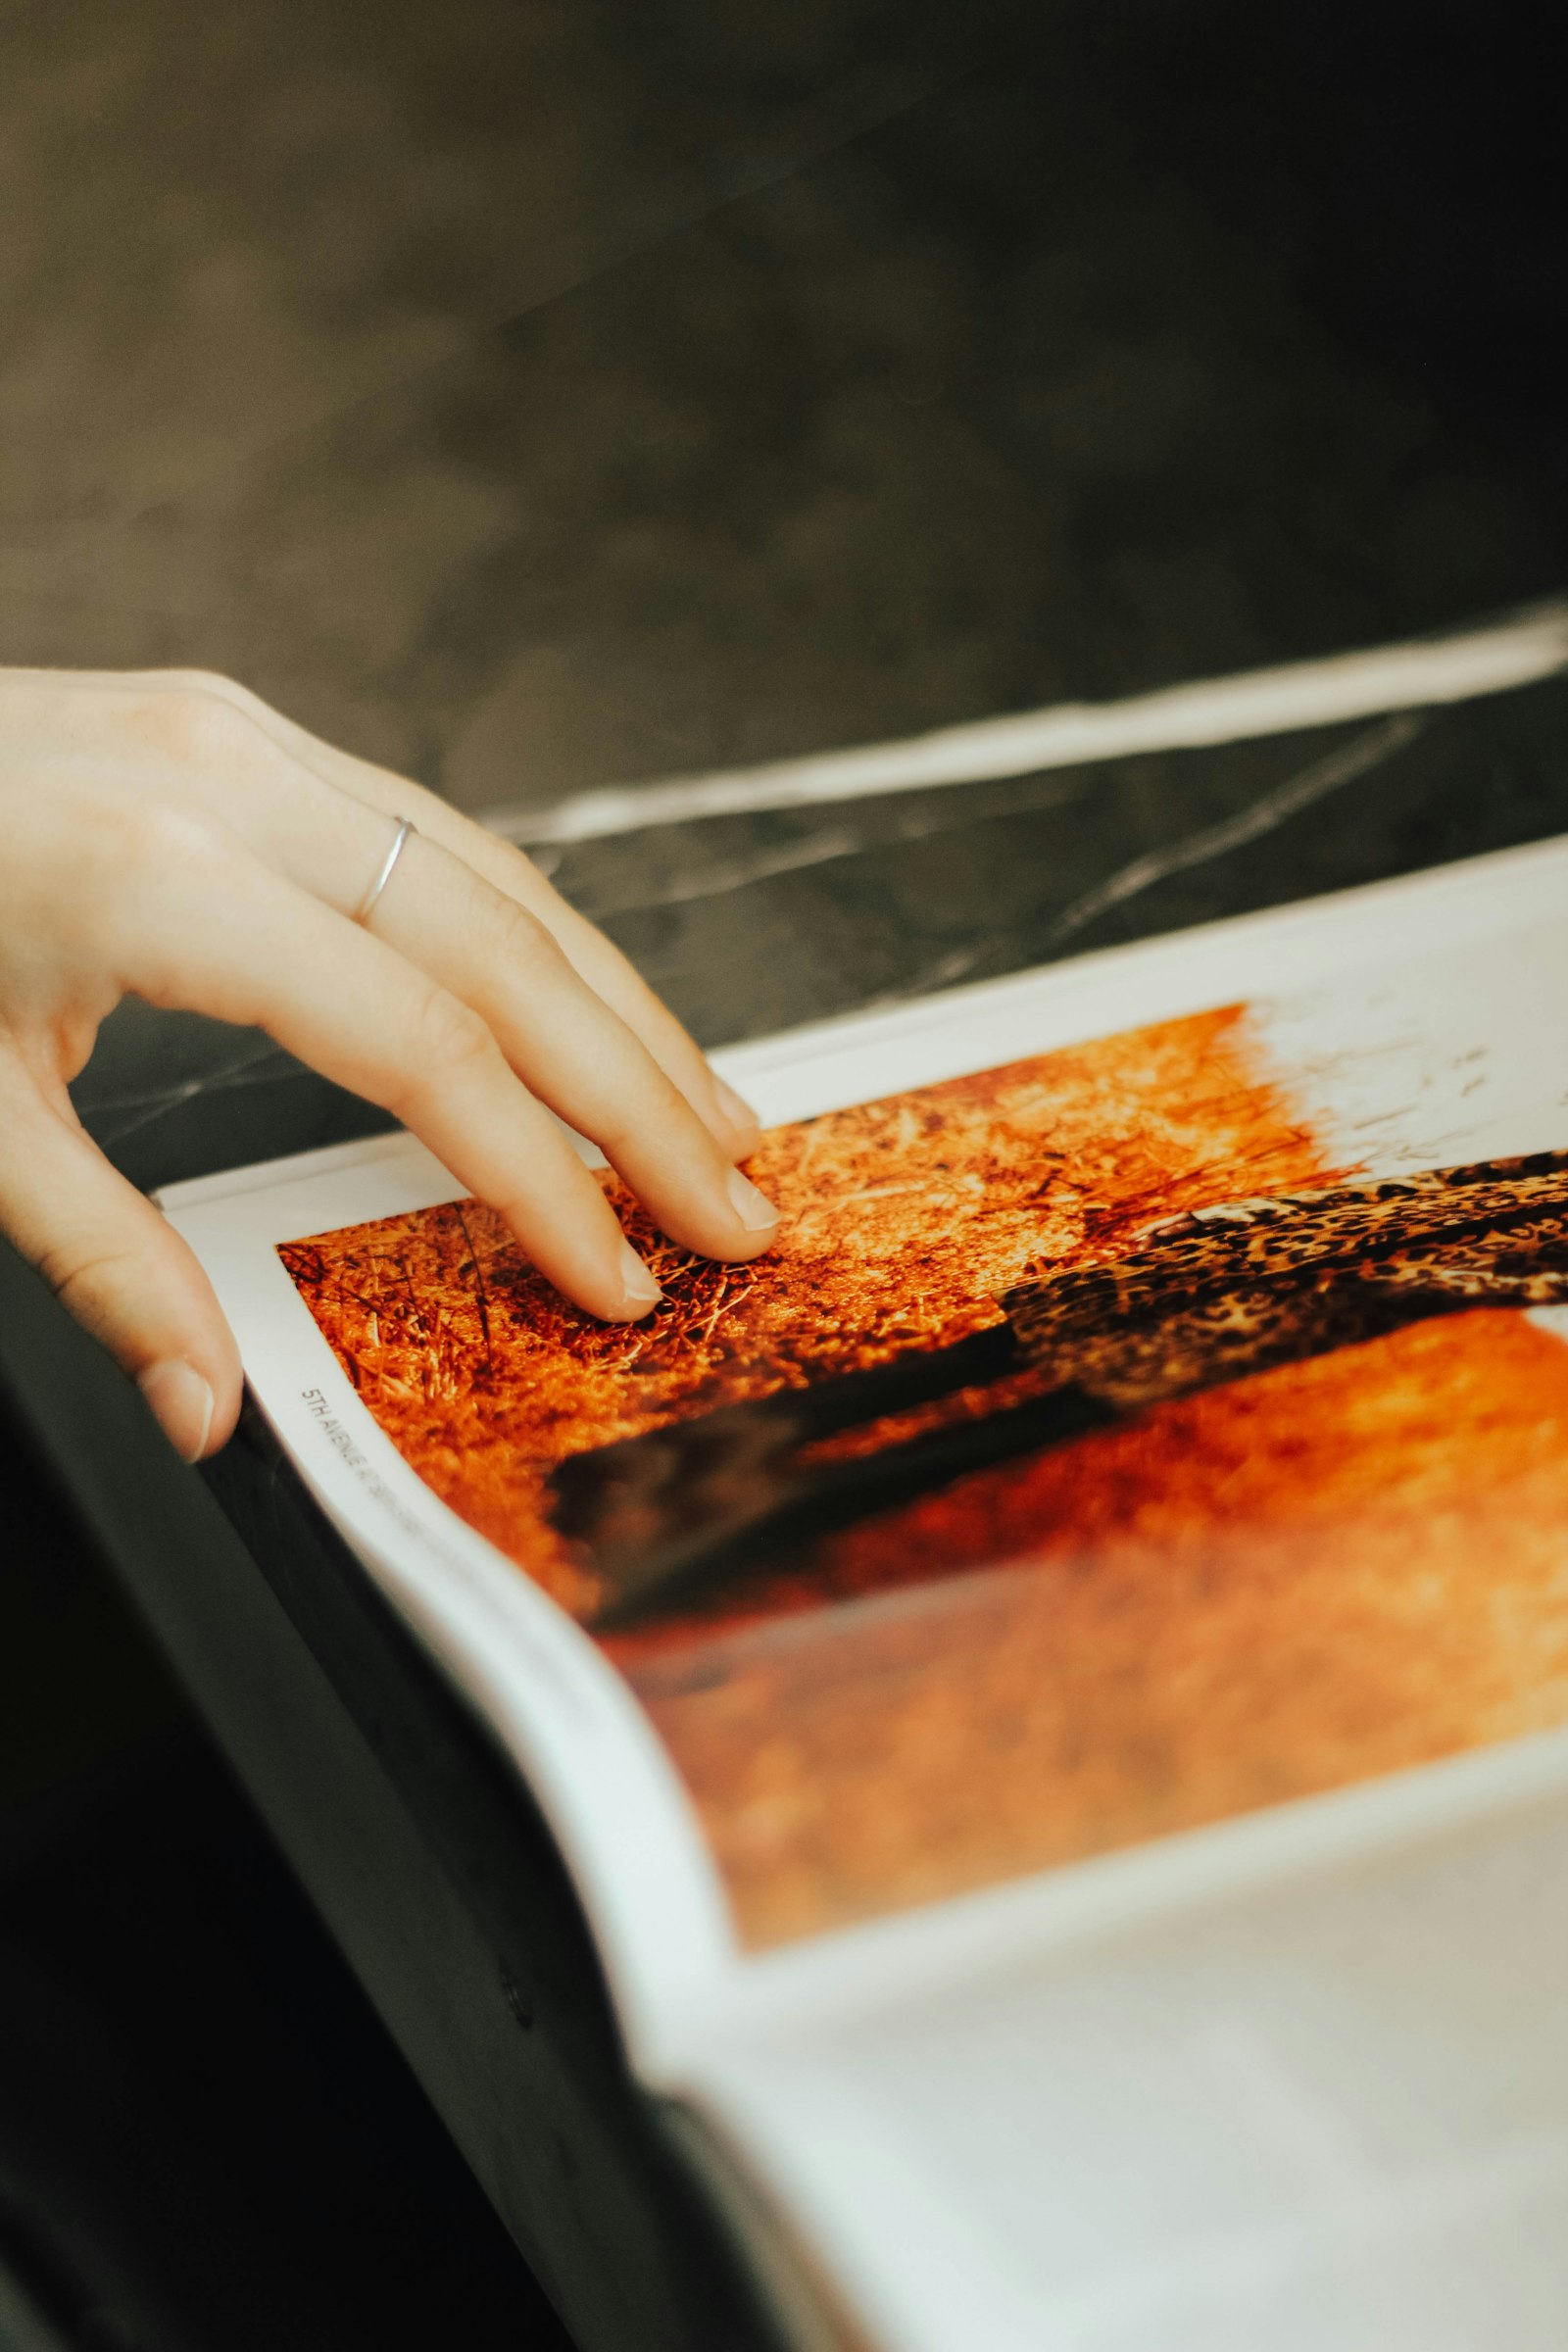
pixel 1149 1439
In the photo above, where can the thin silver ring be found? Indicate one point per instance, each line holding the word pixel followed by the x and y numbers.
pixel 366 906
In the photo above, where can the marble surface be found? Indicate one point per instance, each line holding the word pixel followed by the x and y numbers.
pixel 552 397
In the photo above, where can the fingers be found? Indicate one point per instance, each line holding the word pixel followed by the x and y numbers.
pixel 207 722
pixel 593 956
pixel 570 1048
pixel 607 972
pixel 214 931
pixel 555 1031
pixel 123 1272
pixel 731 1119
pixel 600 964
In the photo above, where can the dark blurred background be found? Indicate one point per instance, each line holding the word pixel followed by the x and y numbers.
pixel 532 396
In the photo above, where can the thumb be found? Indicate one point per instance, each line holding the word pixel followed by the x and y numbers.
pixel 120 1268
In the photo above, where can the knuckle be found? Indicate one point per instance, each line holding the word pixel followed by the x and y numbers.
pixel 133 842
pixel 196 715
pixel 650 1105
pixel 445 1039
pixel 161 837
pixel 512 937
pixel 94 1287
pixel 207 686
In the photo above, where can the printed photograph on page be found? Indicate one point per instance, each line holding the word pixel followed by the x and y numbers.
pixel 1117 1440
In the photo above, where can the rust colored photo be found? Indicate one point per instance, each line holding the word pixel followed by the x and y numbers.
pixel 1092 1457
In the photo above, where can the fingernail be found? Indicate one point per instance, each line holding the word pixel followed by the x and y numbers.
pixel 638 1283
pixel 182 1402
pixel 754 1209
pixel 736 1109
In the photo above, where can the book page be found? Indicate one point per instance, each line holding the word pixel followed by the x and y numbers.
pixel 1014 1511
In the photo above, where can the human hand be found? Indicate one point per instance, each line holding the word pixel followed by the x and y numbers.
pixel 166 835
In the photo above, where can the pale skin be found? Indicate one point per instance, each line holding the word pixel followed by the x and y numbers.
pixel 166 835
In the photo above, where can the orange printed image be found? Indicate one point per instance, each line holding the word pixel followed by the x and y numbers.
pixel 1092 1457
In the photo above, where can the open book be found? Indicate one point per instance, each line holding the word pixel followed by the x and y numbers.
pixel 1007 1668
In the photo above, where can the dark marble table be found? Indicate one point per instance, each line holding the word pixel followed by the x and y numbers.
pixel 534 398
pixel 724 393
